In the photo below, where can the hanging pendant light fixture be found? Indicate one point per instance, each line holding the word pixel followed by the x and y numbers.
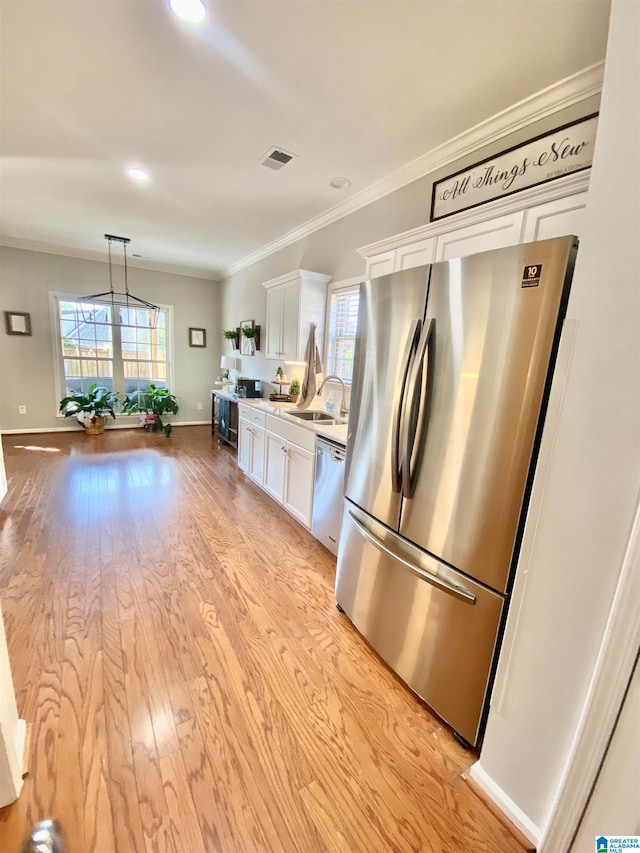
pixel 121 299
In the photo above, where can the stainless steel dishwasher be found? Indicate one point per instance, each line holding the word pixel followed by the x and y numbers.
pixel 327 493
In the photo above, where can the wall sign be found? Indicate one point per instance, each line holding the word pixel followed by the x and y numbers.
pixel 545 158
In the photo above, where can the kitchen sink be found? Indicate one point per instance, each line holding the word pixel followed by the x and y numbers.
pixel 321 417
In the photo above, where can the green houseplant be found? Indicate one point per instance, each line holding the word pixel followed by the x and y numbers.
pixel 90 408
pixel 294 390
pixel 152 405
pixel 231 335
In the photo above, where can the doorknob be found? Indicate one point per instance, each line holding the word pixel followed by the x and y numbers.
pixel 45 838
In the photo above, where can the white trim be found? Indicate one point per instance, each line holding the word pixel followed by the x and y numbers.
pixel 506 804
pixel 565 93
pixel 297 274
pixel 107 427
pixel 560 188
pixel 346 283
pixel 89 255
pixel 609 682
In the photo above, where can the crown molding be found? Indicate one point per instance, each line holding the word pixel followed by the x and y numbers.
pixel 565 93
pixel 89 255
pixel 307 275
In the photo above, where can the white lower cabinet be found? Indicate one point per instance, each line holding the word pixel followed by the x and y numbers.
pixel 274 466
pixel 251 443
pixel 298 483
pixel 289 467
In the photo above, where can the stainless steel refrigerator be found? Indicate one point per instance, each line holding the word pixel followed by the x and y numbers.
pixel 452 372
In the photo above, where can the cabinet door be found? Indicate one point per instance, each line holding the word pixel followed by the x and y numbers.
pixel 274 322
pixel 274 465
pixel 480 237
pixel 298 485
pixel 244 445
pixel 256 469
pixel 556 218
pixel 290 321
pixel 381 264
pixel 416 254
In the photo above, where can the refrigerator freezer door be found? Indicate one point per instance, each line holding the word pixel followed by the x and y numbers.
pixel 390 319
pixel 436 629
pixel 496 319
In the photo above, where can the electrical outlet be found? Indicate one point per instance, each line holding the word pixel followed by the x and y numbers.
pixel 22 410
pixel 199 405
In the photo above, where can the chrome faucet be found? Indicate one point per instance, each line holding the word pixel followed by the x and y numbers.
pixel 343 399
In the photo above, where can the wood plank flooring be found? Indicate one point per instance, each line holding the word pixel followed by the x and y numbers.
pixel 187 681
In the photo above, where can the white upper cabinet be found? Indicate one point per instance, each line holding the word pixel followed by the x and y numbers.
pixel 556 218
pixel 403 258
pixel 294 302
pixel 480 237
pixel 540 213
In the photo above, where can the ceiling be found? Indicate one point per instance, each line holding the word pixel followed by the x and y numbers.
pixel 355 88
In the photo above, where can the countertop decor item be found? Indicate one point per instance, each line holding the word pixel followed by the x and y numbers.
pixel 91 408
pixel 294 390
pixel 152 404
pixel 227 363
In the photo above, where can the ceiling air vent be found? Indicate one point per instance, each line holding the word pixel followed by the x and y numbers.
pixel 276 158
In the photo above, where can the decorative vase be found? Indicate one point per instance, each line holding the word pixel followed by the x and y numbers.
pixel 95 426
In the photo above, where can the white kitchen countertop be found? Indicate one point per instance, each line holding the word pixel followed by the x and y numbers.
pixel 334 432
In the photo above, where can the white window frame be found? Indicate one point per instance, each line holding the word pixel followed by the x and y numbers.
pixel 55 296
pixel 345 284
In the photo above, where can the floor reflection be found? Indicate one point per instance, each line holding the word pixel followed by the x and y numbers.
pixel 135 481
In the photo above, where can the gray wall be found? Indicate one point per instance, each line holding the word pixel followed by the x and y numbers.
pixel 27 363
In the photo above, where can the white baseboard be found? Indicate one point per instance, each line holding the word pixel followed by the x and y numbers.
pixel 505 804
pixel 107 427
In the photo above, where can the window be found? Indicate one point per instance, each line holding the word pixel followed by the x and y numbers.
pixel 343 322
pixel 123 352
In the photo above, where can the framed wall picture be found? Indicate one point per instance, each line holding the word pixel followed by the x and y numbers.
pixel 17 322
pixel 197 337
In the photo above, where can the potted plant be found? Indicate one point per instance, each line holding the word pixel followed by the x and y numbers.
pixel 90 409
pixel 152 405
pixel 231 335
pixel 252 334
pixel 294 390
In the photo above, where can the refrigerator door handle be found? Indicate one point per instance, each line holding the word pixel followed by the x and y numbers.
pixel 396 465
pixel 414 420
pixel 445 586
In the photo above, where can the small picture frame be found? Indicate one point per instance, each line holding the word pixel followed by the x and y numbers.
pixel 17 322
pixel 197 337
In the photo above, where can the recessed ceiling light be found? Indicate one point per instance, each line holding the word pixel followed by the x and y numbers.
pixel 340 183
pixel 138 174
pixel 189 10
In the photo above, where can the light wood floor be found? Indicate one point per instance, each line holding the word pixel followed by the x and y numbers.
pixel 187 681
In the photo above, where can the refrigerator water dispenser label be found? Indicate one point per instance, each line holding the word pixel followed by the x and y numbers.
pixel 531 275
